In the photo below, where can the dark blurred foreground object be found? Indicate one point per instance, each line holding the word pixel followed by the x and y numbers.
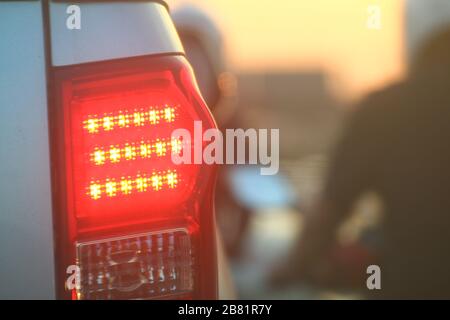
pixel 397 144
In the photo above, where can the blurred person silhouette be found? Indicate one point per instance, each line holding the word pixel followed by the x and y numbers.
pixel 396 144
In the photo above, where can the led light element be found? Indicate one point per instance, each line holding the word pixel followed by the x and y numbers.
pixel 126 118
pixel 128 185
pixel 91 125
pixel 133 151
pixel 99 157
pixel 95 191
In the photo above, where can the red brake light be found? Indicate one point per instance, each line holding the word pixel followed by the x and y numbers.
pixel 133 221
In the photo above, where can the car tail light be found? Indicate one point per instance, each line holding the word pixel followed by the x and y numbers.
pixel 137 225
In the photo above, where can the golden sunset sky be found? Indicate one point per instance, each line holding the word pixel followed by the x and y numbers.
pixel 330 35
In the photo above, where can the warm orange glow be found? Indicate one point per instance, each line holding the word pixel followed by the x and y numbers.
pixel 327 35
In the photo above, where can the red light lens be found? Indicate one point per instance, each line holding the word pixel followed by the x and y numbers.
pixel 120 138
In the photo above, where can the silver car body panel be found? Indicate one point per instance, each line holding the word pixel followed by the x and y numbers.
pixel 26 230
pixel 107 32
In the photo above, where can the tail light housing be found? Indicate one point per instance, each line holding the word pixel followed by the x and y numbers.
pixel 137 225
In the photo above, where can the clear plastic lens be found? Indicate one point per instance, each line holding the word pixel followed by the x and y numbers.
pixel 142 266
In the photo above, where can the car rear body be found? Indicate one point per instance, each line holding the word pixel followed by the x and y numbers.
pixel 134 225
